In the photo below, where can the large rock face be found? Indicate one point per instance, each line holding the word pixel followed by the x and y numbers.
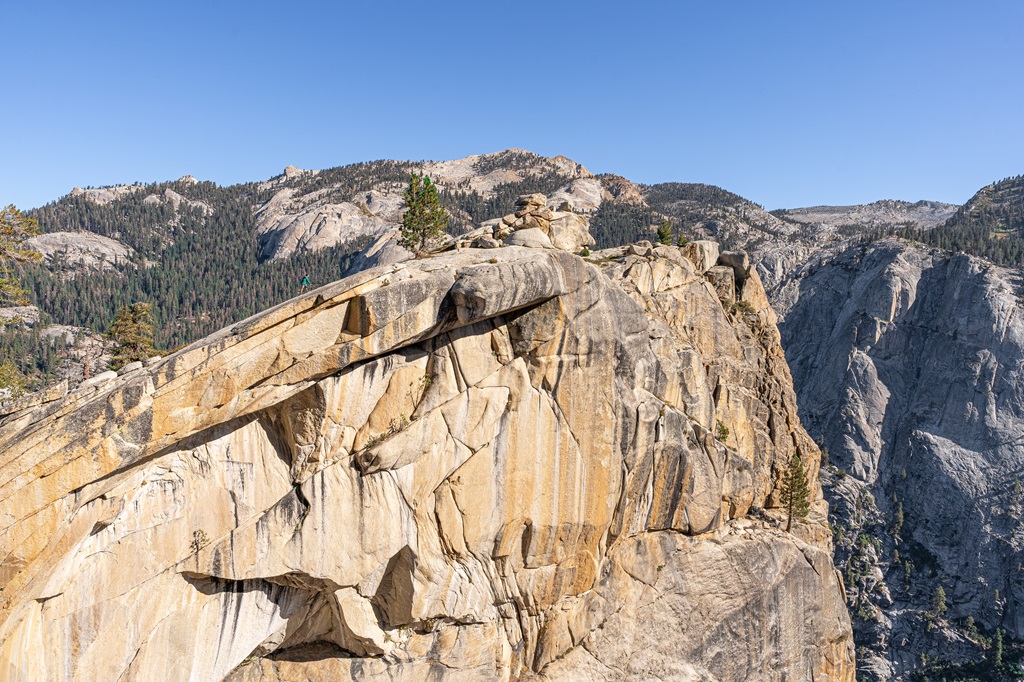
pixel 80 250
pixel 502 463
pixel 286 225
pixel 908 364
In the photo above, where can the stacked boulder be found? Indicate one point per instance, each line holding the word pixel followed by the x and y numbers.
pixel 531 213
pixel 535 225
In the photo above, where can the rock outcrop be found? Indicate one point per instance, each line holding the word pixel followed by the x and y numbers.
pixel 176 200
pixel 385 250
pixel 105 195
pixel 289 222
pixel 505 463
pixel 27 315
pixel 535 225
pixel 80 250
pixel 584 195
pixel 491 464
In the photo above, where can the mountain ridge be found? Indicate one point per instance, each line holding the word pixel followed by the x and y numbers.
pixel 245 246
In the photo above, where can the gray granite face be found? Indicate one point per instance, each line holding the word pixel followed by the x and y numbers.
pixel 908 365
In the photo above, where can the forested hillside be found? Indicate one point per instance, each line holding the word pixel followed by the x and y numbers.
pixel 990 225
pixel 700 210
pixel 694 211
pixel 199 268
pixel 196 251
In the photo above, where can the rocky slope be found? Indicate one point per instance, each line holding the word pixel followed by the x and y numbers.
pixel 308 211
pixel 999 207
pixel 80 251
pixel 502 463
pixel 813 236
pixel 856 218
pixel 908 363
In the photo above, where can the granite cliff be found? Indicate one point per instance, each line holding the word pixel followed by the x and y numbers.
pixel 907 362
pixel 493 463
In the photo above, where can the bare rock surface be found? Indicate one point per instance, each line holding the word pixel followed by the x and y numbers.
pixel 288 223
pixel 177 200
pixel 925 214
pixel 488 464
pixel 908 363
pixel 582 196
pixel 105 195
pixel 27 315
pixel 531 237
pixel 80 250
pixel 386 250
pixel 703 253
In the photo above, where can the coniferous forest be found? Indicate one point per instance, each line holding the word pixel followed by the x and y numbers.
pixel 990 225
pixel 199 269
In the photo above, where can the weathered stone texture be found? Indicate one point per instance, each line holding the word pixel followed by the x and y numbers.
pixel 909 369
pixel 491 464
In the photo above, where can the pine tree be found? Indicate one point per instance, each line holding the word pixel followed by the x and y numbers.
pixel 132 331
pixel 796 493
pixel 425 219
pixel 939 602
pixel 665 233
pixel 999 647
pixel 15 228
pixel 12 378
pixel 897 524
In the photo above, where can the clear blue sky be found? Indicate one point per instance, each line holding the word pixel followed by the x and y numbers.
pixel 786 103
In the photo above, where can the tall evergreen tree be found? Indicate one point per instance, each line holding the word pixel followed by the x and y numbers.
pixel 796 493
pixel 939 602
pixel 15 228
pixel 12 378
pixel 665 233
pixel 132 331
pixel 425 219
